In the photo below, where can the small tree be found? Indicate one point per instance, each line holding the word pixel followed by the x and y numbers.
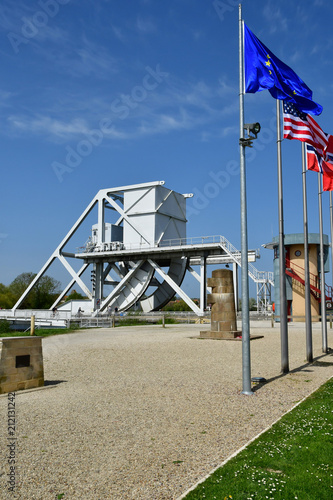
pixel 41 296
pixel 7 299
pixel 252 304
pixel 74 295
pixel 178 305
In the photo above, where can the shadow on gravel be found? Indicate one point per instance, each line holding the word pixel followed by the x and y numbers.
pixel 304 368
pixel 53 382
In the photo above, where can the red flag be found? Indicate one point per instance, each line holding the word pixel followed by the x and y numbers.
pixel 316 163
pixel 298 125
pixel 327 176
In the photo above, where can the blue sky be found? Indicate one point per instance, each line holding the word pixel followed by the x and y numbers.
pixel 152 88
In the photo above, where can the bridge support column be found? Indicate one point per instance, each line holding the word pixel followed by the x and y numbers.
pixel 203 279
pixel 235 280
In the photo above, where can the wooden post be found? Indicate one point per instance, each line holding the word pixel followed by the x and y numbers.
pixel 32 325
pixel 163 321
pixel 272 321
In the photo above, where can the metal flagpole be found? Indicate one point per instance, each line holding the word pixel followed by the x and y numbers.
pixel 331 220
pixel 244 244
pixel 308 323
pixel 322 270
pixel 282 259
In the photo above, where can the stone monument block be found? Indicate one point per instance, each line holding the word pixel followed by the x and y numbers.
pixel 21 363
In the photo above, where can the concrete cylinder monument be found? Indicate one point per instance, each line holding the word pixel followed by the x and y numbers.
pixel 223 311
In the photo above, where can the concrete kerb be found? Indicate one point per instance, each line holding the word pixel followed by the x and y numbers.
pixel 243 447
pixel 26 391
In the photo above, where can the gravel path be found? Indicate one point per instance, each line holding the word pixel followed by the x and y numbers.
pixel 144 412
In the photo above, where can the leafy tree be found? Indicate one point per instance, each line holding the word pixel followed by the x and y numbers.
pixel 252 304
pixel 7 299
pixel 74 295
pixel 41 296
pixel 178 305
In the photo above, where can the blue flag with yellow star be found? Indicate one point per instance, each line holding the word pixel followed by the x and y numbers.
pixel 263 70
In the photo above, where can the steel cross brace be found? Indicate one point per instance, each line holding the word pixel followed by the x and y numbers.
pixel 115 291
pixel 177 289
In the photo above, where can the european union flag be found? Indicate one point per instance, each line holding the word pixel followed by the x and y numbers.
pixel 263 70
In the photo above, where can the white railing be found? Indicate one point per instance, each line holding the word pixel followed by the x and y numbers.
pixel 229 248
pixel 255 275
pixel 174 242
pixel 41 314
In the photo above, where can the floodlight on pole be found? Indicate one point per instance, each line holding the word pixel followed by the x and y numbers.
pixel 252 130
pixel 252 127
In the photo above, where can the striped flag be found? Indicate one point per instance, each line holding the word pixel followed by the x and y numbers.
pixel 317 163
pixel 314 160
pixel 300 126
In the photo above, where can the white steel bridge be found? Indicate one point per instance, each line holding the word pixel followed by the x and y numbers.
pixel 143 254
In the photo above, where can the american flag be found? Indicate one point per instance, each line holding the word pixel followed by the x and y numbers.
pixel 300 126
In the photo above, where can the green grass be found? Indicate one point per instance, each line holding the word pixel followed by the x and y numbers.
pixel 292 460
pixel 131 322
pixel 128 321
pixel 121 321
pixel 42 332
pixel 168 321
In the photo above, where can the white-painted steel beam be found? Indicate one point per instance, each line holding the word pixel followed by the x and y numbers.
pixel 117 289
pixel 203 276
pixel 34 281
pixel 75 276
pixel 57 251
pixel 177 289
pixel 197 277
pixel 68 287
pixel 125 216
pixel 235 280
pixel 100 221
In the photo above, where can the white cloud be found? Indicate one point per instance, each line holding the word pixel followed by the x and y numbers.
pixel 52 34
pixel 15 17
pixel 114 133
pixel 49 126
pixel 82 59
pixel 118 33
pixel 205 136
pixel 274 17
pixel 170 107
pixel 165 123
pixel 227 131
pixel 11 14
pixel 145 25
pixel 225 89
pixel 5 97
pixel 198 34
